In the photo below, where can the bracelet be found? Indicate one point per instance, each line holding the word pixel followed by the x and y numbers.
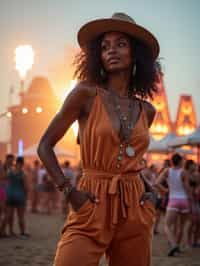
pixel 68 190
pixel 63 185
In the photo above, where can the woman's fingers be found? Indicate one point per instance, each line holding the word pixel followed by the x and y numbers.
pixel 92 197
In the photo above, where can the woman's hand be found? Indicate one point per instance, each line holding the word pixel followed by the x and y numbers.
pixel 78 198
pixel 149 196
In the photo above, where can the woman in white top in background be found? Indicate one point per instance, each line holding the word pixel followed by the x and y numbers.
pixel 194 219
pixel 179 201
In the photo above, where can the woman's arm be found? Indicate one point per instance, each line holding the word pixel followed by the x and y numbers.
pixel 26 183
pixel 185 179
pixel 161 177
pixel 161 189
pixel 70 111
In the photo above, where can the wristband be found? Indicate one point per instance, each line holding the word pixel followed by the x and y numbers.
pixel 68 190
pixel 63 185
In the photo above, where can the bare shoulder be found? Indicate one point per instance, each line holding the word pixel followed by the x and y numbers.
pixel 78 97
pixel 150 111
pixel 85 89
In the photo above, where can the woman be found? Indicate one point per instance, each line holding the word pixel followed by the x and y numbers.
pixel 117 68
pixel 17 191
pixel 178 206
pixel 162 196
pixel 194 225
pixel 49 192
pixel 8 167
pixel 2 201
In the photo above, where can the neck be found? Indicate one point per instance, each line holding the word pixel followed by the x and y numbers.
pixel 119 82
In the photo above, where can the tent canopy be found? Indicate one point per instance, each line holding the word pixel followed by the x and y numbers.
pixel 192 139
pixel 160 145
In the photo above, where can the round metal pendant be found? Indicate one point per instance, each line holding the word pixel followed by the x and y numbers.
pixel 130 151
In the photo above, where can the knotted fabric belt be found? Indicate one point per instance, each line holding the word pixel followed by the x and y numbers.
pixel 121 198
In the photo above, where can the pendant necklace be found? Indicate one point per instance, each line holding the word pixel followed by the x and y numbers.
pixel 126 124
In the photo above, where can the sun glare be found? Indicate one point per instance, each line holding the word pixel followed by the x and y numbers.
pixel 65 92
pixel 63 96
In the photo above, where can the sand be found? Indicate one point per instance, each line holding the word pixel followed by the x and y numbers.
pixel 45 229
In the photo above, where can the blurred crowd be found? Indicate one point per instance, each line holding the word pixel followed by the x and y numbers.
pixel 177 187
pixel 25 187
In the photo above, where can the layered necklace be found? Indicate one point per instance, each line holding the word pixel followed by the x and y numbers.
pixel 126 124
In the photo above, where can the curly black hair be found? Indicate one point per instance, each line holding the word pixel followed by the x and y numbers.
pixel 88 67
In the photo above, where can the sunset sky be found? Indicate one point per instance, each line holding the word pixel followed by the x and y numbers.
pixel 50 27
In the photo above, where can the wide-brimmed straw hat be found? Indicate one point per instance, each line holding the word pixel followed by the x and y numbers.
pixel 118 22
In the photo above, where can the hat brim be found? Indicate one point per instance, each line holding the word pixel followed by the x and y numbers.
pixel 95 28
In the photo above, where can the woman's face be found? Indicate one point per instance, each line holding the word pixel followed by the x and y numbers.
pixel 116 52
pixel 193 167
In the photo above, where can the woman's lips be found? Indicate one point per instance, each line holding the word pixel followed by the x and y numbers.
pixel 113 60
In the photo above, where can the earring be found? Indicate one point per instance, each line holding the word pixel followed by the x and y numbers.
pixel 134 70
pixel 103 73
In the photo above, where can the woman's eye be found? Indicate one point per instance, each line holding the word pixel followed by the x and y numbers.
pixel 122 44
pixel 104 47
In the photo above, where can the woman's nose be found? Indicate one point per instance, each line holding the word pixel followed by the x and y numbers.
pixel 112 49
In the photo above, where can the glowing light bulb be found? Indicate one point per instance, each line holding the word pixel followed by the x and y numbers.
pixel 39 109
pixel 24 111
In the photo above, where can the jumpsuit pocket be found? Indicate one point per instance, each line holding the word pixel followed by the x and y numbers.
pixel 150 207
pixel 79 220
pixel 82 208
pixel 148 214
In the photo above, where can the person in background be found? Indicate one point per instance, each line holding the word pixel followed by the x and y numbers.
pixel 197 235
pixel 17 191
pixel 150 174
pixel 28 171
pixel 164 183
pixel 9 163
pixel 162 196
pixel 70 174
pixel 49 191
pixel 194 218
pixel 178 206
pixel 35 193
pixel 8 166
pixel 40 188
pixel 2 201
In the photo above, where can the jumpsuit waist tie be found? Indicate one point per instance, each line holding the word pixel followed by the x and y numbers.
pixel 120 199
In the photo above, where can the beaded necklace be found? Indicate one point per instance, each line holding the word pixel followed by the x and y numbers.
pixel 126 124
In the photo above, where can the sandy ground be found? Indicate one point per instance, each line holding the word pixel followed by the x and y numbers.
pixel 40 248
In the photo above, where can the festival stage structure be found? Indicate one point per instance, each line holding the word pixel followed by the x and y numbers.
pixel 163 126
pixel 31 117
pixel 186 121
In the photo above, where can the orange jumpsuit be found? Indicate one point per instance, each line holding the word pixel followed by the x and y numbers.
pixel 118 225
